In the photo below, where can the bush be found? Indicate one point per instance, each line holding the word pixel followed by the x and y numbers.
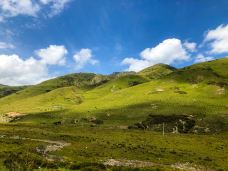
pixel 23 162
pixel 88 166
pixel 134 83
pixel 98 121
pixel 154 122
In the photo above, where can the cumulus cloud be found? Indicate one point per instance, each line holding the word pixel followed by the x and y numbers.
pixel 191 46
pixel 202 58
pixel 83 57
pixel 168 52
pixel 53 55
pixel 17 71
pixel 4 45
pixel 218 39
pixel 13 8
pixel 135 64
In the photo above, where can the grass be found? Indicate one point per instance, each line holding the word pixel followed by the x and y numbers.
pixel 96 145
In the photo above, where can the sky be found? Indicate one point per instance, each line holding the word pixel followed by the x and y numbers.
pixel 43 39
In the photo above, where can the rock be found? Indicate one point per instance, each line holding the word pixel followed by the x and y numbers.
pixel 159 90
pixel 220 91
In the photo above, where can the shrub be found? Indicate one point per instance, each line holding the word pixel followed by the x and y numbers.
pixel 23 161
pixel 134 83
pixel 98 121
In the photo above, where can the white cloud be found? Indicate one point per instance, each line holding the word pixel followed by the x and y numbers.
pixel 45 2
pixel 4 45
pixel 53 55
pixel 56 6
pixel 167 52
pixel 218 39
pixel 135 64
pixel 83 57
pixel 17 71
pixel 202 58
pixel 191 46
pixel 13 8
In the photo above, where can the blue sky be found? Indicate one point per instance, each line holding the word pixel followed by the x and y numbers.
pixel 41 39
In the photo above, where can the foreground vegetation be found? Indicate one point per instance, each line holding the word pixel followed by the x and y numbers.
pixel 93 146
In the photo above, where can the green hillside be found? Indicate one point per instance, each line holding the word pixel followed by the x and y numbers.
pixel 83 81
pixel 212 72
pixel 37 98
pixel 121 116
pixel 157 71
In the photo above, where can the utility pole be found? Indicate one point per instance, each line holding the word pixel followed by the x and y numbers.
pixel 163 129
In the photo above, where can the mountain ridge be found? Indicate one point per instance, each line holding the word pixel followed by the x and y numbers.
pixel 194 73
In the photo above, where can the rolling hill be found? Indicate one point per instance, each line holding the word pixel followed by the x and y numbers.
pixel 212 72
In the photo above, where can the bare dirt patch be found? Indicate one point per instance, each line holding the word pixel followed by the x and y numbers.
pixel 11 116
pixel 14 114
pixel 189 167
pixel 144 164
pixel 129 163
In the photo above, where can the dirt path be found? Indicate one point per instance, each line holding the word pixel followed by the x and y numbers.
pixel 52 145
pixel 129 163
pixel 143 164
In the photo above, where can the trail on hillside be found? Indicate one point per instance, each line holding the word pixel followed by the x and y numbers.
pixel 53 145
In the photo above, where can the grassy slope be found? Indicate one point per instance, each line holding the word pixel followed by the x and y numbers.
pixel 82 81
pixel 58 88
pixel 212 72
pixel 157 71
pixel 67 97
